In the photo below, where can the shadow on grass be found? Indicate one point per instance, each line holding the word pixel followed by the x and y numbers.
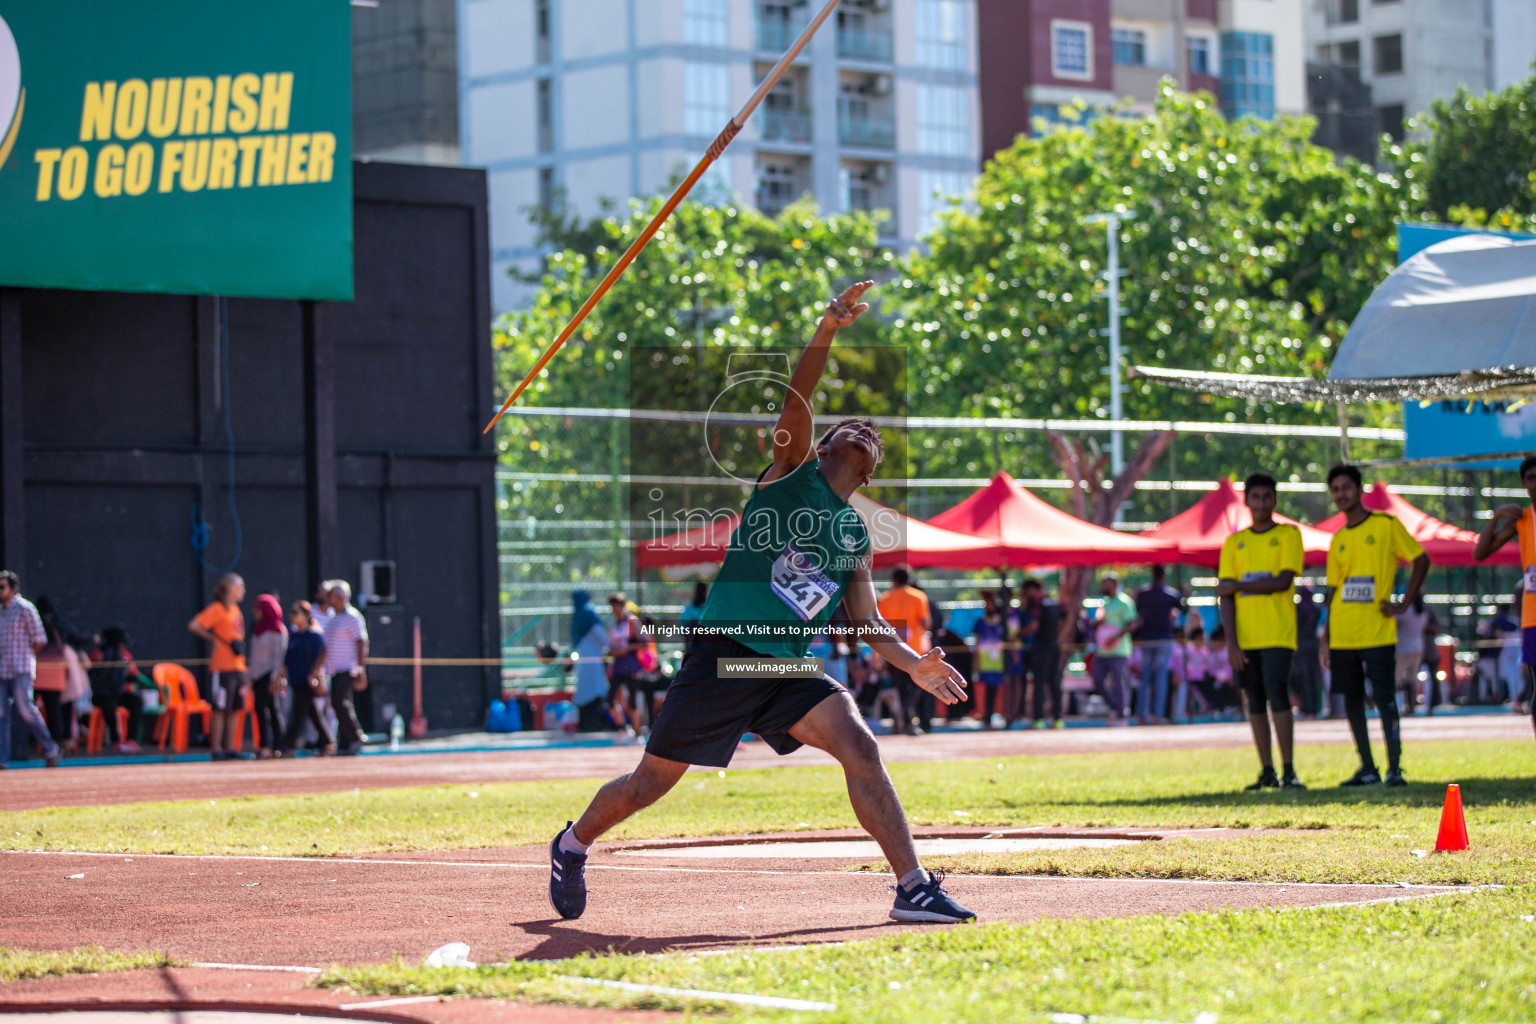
pixel 1417 794
pixel 562 940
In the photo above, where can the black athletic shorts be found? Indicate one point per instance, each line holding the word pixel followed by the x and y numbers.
pixel 705 716
pixel 1266 676
pixel 1351 668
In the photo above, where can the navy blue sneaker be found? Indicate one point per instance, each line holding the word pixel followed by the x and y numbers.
pixel 929 903
pixel 567 879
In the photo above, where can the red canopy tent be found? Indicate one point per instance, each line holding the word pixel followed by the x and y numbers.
pixel 895 539
pixel 1445 544
pixel 1199 532
pixel 1025 530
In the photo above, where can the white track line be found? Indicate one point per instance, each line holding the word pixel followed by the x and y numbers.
pixel 258 967
pixel 771 1002
pixel 401 1001
pixel 539 866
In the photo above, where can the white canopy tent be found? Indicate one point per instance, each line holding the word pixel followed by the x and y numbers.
pixel 1458 319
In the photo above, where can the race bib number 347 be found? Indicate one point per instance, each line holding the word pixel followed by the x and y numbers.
pixel 798 583
pixel 1359 590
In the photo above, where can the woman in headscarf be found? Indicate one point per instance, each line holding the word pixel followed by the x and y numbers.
pixel 589 641
pixel 269 643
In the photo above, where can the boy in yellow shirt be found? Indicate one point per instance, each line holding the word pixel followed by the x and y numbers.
pixel 1258 572
pixel 1360 637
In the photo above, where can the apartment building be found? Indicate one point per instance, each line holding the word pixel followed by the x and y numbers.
pixel 1376 62
pixel 1038 56
pixel 607 100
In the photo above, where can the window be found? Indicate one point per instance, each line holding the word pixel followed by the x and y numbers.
pixel 1072 50
pixel 541 29
pixel 544 105
pixel 941 35
pixel 1387 52
pixel 1348 12
pixel 706 97
pixel 547 187
pixel 943 120
pixel 937 189
pixel 1248 75
pixel 778 185
pixel 706 22
pixel 1389 121
pixel 1130 46
pixel 1199 49
pixel 1349 53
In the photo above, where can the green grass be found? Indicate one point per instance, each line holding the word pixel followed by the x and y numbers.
pixel 1351 835
pixel 21 964
pixel 1463 957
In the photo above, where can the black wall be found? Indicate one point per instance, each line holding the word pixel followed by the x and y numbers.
pixel 356 430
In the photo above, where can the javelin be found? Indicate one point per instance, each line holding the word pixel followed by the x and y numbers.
pixel 716 148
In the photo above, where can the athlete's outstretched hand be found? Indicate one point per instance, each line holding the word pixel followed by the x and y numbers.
pixel 846 308
pixel 939 677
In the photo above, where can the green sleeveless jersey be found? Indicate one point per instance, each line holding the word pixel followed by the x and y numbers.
pixel 790 559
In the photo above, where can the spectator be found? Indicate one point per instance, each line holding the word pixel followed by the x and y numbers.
pixel 834 657
pixel 1506 630
pixel 956 651
pixel 693 611
pixel 21 637
pixel 269 644
pixel 626 640
pixel 346 664
pixel 588 642
pixel 887 694
pixel 1306 669
pixel 1157 605
pixel 53 678
pixel 1410 652
pixel 1045 652
pixel 1112 645
pixel 991 630
pixel 114 684
pixel 223 626
pixel 1178 679
pixel 906 608
pixel 303 674
pixel 1197 663
pixel 1227 697
pixel 1432 697
pixel 1021 627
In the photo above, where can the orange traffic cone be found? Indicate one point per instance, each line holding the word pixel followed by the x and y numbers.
pixel 1453 823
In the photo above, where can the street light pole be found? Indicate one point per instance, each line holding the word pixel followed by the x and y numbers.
pixel 1111 222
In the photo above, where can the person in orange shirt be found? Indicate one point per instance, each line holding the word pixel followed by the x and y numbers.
pixel 906 609
pixel 222 625
pixel 1509 522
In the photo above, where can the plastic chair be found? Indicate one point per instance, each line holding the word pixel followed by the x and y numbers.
pixel 96 732
pixel 234 732
pixel 178 690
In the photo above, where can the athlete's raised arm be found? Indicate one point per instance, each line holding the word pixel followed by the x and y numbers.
pixel 794 436
pixel 930 671
pixel 1501 529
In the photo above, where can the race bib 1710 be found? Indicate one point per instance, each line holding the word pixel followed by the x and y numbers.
pixel 799 584
pixel 1359 590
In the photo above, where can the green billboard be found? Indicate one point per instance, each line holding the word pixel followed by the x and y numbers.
pixel 177 146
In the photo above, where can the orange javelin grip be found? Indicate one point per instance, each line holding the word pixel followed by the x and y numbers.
pixel 716 148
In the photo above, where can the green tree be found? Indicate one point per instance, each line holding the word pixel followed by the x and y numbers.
pixel 1474 152
pixel 1249 251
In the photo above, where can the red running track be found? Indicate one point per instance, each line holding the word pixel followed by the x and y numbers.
pixel 86 785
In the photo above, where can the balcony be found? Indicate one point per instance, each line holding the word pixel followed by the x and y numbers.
pixel 863 44
pixel 786 126
pixel 866 132
pixel 776 34
pixel 772 201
